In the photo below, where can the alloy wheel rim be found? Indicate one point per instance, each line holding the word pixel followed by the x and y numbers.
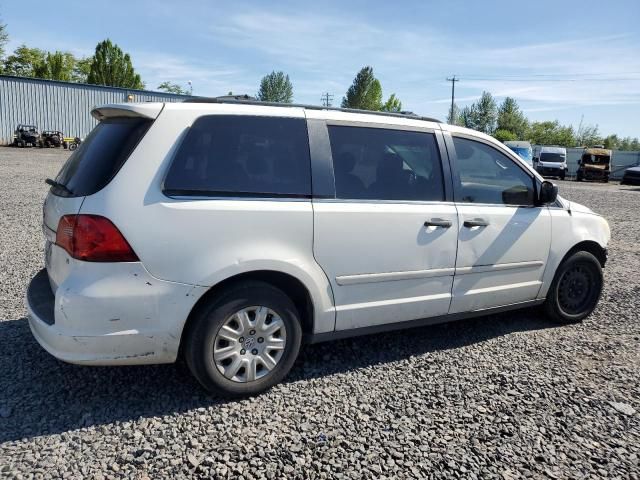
pixel 249 344
pixel 575 289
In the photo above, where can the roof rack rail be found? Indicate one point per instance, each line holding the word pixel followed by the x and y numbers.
pixel 248 100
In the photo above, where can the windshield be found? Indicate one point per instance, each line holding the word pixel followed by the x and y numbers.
pixel 523 152
pixel 552 157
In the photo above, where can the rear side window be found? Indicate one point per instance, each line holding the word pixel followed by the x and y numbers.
pixel 385 164
pixel 100 156
pixel 243 156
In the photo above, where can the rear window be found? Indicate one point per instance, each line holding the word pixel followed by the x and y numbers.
pixel 242 156
pixel 100 156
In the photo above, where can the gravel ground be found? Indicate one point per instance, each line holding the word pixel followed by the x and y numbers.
pixel 506 396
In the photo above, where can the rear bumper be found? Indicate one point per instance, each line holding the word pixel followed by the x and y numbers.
pixel 77 325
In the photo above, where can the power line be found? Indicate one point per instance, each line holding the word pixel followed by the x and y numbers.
pixel 326 99
pixel 555 80
pixel 453 81
pixel 576 74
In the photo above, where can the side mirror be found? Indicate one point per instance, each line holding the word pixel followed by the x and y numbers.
pixel 548 193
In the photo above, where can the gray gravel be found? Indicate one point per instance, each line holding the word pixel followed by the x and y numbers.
pixel 506 396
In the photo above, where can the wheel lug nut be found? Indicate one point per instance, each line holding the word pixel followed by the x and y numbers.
pixel 254 351
pixel 241 339
pixel 252 332
pixel 260 339
pixel 243 351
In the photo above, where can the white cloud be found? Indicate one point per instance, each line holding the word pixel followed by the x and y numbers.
pixel 328 51
pixel 207 78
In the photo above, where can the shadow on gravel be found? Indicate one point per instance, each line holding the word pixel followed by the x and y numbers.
pixel 40 395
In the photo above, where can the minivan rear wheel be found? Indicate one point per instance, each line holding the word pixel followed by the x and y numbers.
pixel 244 341
pixel 576 288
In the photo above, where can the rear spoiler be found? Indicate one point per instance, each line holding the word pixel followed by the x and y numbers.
pixel 135 110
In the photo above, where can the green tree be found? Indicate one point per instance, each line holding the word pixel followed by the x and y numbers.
pixel 365 93
pixel 481 115
pixel 172 88
pixel 611 142
pixel 276 87
pixel 551 133
pixel 588 136
pixel 56 66
pixel 486 112
pixel 468 117
pixel 511 119
pixel 112 67
pixel 453 118
pixel 393 104
pixel 629 144
pixel 24 61
pixel 504 135
pixel 4 38
pixel 81 69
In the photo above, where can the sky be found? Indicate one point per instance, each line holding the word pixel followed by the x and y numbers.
pixel 574 61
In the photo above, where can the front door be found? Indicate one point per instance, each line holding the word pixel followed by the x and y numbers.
pixel 504 239
pixel 387 241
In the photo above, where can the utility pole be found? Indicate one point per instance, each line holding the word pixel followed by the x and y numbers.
pixel 326 99
pixel 453 81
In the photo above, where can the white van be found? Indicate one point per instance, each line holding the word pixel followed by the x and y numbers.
pixel 551 161
pixel 229 232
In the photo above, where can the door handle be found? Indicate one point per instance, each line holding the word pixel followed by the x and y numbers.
pixel 438 222
pixel 476 222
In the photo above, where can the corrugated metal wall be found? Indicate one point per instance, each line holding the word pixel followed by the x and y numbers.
pixel 52 105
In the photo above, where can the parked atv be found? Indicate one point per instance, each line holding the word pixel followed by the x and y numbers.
pixel 51 138
pixel 26 135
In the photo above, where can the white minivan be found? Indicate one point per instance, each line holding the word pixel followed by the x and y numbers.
pixel 230 232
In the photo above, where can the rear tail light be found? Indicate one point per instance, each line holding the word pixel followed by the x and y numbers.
pixel 93 238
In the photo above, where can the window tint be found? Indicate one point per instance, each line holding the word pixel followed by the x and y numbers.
pixel 242 155
pixel 381 164
pixel 100 156
pixel 488 176
pixel 552 157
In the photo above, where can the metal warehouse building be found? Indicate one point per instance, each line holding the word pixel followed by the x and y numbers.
pixel 64 106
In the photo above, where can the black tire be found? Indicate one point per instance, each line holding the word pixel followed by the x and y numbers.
pixel 579 177
pixel 201 334
pixel 575 290
pixel 562 175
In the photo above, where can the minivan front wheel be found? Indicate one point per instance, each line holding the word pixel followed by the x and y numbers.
pixel 576 288
pixel 244 341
